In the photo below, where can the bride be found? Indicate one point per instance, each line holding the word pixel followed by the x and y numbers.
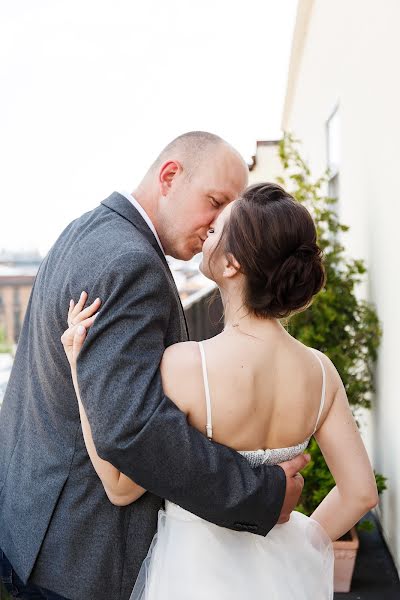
pixel 258 390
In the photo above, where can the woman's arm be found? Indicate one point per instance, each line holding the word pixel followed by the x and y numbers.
pixel 340 442
pixel 120 489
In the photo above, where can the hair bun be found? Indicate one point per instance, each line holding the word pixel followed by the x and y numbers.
pixel 306 250
pixel 295 281
pixel 273 237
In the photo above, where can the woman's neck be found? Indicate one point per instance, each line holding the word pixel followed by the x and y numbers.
pixel 238 317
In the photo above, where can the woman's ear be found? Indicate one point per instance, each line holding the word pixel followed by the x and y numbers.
pixel 231 266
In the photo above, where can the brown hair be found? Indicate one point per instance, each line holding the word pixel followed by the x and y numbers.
pixel 273 237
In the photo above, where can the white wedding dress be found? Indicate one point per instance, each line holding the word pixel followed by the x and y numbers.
pixel 192 559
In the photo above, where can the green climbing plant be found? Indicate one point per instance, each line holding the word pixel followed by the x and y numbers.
pixel 5 347
pixel 339 322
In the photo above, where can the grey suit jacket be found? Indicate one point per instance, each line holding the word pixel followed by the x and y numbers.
pixel 57 526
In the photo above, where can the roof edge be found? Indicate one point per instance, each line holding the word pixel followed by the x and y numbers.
pixel 304 10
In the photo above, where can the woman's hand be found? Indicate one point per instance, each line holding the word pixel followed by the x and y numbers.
pixel 119 488
pixel 79 320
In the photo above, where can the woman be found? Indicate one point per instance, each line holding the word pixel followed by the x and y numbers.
pixel 255 388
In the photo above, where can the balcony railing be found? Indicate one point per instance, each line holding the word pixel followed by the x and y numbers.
pixel 203 311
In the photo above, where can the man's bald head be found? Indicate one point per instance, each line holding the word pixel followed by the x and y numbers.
pixel 190 150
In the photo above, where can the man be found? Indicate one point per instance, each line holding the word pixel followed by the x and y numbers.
pixel 58 530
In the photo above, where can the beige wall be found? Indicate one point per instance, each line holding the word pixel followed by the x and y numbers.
pixel 349 56
pixel 267 166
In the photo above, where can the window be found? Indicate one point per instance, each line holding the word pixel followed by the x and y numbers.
pixel 333 143
pixel 333 152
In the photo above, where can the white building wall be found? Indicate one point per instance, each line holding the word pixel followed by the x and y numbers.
pixel 267 165
pixel 351 58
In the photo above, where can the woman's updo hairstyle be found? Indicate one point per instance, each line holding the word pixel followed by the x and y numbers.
pixel 273 237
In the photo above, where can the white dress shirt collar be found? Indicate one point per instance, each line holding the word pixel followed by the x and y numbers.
pixel 143 214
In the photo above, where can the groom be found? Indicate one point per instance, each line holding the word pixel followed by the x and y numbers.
pixel 60 537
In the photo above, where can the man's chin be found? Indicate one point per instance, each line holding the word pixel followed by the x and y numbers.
pixel 189 254
pixel 197 252
pixel 185 255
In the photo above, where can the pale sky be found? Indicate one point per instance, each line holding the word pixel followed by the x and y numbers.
pixel 91 91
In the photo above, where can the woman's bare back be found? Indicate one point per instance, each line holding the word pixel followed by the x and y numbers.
pixel 265 389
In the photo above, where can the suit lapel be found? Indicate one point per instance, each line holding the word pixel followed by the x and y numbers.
pixel 125 209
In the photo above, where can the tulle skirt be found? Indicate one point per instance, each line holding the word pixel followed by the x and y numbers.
pixel 192 559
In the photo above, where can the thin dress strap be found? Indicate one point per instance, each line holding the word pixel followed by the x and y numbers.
pixel 207 392
pixel 321 406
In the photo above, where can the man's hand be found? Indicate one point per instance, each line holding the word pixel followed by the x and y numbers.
pixel 294 484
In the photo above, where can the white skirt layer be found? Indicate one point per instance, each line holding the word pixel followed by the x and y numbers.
pixel 192 559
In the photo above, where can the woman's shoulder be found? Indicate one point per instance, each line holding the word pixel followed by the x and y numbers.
pixel 181 355
pixel 329 366
pixel 181 373
pixel 333 381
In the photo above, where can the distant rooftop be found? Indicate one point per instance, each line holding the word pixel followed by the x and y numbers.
pixel 19 264
pixel 18 271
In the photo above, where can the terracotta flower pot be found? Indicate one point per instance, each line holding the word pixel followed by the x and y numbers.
pixel 345 558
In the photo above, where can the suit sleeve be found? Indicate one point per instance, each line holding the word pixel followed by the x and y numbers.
pixel 140 430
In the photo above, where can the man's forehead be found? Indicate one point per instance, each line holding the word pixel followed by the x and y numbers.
pixel 226 176
pixel 225 159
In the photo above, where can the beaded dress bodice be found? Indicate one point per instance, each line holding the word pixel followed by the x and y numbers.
pixel 272 456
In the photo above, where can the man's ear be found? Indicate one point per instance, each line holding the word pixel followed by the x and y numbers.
pixel 231 266
pixel 166 175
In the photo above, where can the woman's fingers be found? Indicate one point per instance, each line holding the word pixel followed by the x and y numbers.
pixel 79 338
pixel 89 321
pixel 79 317
pixel 73 309
pixel 70 309
pixel 67 337
pixel 77 313
pixel 79 335
pixel 78 307
pixel 80 304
